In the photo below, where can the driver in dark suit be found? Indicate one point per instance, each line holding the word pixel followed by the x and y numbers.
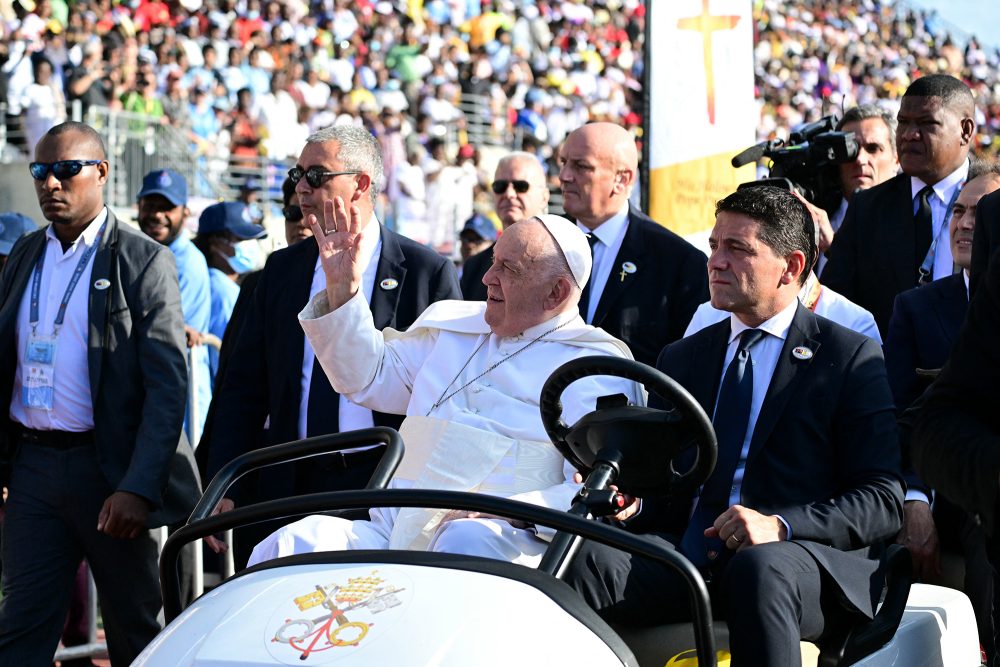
pixel 790 526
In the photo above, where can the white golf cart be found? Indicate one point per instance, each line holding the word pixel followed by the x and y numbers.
pixel 416 608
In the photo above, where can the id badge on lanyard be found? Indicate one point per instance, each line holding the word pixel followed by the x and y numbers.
pixel 38 377
pixel 38 370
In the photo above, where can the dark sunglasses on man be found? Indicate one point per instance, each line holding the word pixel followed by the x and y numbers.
pixel 292 213
pixel 520 187
pixel 315 176
pixel 61 170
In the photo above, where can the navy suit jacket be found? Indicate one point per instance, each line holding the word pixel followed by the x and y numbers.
pixel 924 325
pixel 653 305
pixel 264 374
pixel 824 453
pixel 878 249
pixel 135 355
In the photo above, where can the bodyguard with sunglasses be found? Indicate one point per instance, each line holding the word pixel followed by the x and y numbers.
pixel 519 193
pixel 93 382
pixel 273 391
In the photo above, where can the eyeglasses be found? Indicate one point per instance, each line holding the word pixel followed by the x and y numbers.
pixel 520 187
pixel 315 176
pixel 61 170
pixel 292 213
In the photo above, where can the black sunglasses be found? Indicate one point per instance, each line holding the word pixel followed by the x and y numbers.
pixel 315 176
pixel 61 170
pixel 292 213
pixel 520 187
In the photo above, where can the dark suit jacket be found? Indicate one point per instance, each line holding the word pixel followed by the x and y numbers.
pixel 986 237
pixel 652 306
pixel 824 453
pixel 956 438
pixel 878 250
pixel 924 325
pixel 138 375
pixel 264 375
pixel 473 271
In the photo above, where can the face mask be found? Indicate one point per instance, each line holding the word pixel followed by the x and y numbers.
pixel 246 256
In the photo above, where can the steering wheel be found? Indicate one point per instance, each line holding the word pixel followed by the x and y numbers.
pixel 643 443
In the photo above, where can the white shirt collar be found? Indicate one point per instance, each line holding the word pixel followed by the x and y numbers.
pixel 944 187
pixel 777 326
pixel 609 230
pixel 88 235
pixel 965 276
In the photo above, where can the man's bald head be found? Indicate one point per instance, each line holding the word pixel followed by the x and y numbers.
pixel 511 200
pixel 87 140
pixel 598 167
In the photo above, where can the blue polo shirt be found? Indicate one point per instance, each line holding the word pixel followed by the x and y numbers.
pixel 196 304
pixel 224 294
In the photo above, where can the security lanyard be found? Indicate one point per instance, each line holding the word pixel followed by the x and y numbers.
pixel 927 266
pixel 36 283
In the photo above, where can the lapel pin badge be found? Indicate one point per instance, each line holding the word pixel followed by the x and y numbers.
pixel 627 268
pixel 389 284
pixel 802 353
pixel 102 284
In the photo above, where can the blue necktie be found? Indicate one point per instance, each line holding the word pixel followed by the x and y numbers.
pixel 732 418
pixel 585 293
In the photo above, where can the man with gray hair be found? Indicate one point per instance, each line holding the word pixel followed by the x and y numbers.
pixel 519 192
pixel 467 375
pixel 874 129
pixel 274 391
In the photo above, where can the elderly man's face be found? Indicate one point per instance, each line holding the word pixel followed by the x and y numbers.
pixel 876 161
pixel 930 138
pixel 963 218
pixel 515 286
pixel 77 199
pixel 512 205
pixel 743 271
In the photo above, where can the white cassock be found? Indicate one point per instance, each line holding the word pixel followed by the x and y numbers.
pixel 485 434
pixel 829 304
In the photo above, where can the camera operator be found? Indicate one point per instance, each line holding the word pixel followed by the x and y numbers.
pixel 875 163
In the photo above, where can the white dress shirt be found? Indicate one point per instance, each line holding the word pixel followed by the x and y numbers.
pixel 945 191
pixel 609 237
pixel 73 408
pixel 351 416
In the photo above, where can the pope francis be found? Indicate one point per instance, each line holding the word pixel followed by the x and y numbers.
pixel 467 375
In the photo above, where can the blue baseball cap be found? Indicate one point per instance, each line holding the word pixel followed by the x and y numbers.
pixel 479 224
pixel 166 182
pixel 12 227
pixel 230 216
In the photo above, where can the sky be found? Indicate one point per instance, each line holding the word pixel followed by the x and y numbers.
pixel 977 17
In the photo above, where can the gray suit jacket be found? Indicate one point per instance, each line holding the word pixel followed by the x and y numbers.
pixel 138 375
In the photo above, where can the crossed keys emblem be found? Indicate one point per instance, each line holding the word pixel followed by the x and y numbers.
pixel 334 629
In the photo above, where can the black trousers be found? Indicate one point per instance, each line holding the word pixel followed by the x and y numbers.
pixel 55 496
pixel 771 596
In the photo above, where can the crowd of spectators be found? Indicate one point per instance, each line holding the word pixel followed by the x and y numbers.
pixel 817 57
pixel 251 78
